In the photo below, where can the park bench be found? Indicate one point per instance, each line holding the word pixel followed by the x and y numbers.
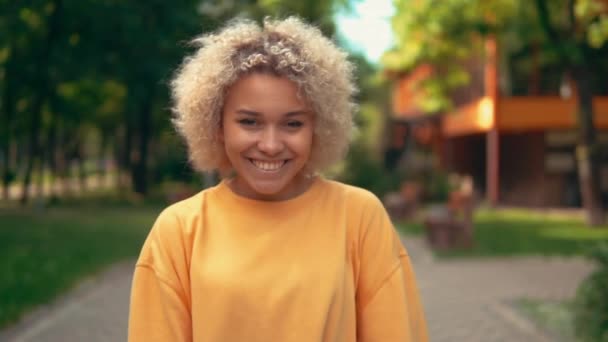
pixel 403 204
pixel 450 225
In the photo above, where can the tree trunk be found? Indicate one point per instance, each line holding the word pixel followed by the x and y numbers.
pixel 126 158
pixel 587 151
pixel 118 154
pixel 6 165
pixel 102 166
pixel 82 174
pixel 63 161
pixel 33 150
pixel 139 171
pixel 40 183
pixel 51 151
pixel 8 106
pixel 127 163
pixel 7 171
pixel 40 95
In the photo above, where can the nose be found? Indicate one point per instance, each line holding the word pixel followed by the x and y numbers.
pixel 270 142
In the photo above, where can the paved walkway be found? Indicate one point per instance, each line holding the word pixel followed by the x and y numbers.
pixel 465 300
pixel 469 300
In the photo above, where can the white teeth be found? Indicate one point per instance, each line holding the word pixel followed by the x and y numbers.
pixel 268 166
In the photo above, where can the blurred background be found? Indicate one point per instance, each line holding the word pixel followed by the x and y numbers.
pixel 483 128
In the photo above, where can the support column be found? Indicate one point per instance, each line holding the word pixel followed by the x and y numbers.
pixel 493 167
pixel 493 135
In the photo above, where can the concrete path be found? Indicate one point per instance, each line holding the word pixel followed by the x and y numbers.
pixel 95 311
pixel 465 300
pixel 469 299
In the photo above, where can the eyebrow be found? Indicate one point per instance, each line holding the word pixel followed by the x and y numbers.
pixel 288 114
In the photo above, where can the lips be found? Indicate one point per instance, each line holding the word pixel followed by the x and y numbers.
pixel 268 166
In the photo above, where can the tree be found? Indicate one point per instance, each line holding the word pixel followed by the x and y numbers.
pixel 429 32
pixel 42 81
pixel 573 32
pixel 580 44
pixel 8 76
pixel 72 71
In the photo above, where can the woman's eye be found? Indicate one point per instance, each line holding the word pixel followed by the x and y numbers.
pixel 295 124
pixel 247 122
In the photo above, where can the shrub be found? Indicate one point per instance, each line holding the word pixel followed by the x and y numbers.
pixel 438 187
pixel 365 171
pixel 591 303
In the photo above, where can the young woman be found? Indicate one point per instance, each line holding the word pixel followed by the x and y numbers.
pixel 275 252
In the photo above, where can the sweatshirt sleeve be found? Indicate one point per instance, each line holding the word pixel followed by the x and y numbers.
pixel 388 303
pixel 160 295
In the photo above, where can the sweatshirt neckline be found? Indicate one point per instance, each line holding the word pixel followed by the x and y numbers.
pixel 224 191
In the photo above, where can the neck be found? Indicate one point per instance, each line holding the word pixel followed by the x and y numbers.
pixel 298 186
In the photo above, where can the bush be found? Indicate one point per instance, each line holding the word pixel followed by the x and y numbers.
pixel 364 171
pixel 170 162
pixel 591 303
pixel 438 187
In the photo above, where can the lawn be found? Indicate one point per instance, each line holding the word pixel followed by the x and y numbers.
pixel 524 232
pixel 44 252
pixel 554 318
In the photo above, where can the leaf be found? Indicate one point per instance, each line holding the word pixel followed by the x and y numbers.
pixel 597 32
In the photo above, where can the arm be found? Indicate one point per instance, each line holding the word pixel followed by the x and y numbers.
pixel 388 303
pixel 160 299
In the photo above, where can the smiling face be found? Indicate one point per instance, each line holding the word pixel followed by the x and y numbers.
pixel 267 131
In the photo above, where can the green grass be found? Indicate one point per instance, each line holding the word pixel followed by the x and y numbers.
pixel 44 252
pixel 555 318
pixel 412 228
pixel 524 232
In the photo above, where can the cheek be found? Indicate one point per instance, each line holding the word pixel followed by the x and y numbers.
pixel 231 149
pixel 305 143
pixel 311 138
pixel 233 137
pixel 309 144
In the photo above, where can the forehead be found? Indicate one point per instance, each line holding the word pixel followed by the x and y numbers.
pixel 265 93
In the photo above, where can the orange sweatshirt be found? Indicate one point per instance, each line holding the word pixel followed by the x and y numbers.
pixel 324 266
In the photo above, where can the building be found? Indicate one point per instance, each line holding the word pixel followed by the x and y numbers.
pixel 513 130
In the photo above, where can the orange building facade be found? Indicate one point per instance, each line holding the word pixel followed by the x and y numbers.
pixel 519 148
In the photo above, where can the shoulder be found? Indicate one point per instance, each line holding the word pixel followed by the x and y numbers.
pixel 355 197
pixel 176 215
pixel 365 211
pixel 175 227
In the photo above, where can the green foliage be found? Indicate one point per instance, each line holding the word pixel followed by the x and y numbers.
pixel 170 162
pixel 593 15
pixel 319 12
pixel 554 317
pixel 373 99
pixel 437 187
pixel 371 124
pixel 69 66
pixel 428 32
pixel 363 166
pixel 597 35
pixel 411 228
pixel 591 304
pixel 362 169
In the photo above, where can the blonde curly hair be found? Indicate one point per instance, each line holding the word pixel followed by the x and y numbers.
pixel 286 48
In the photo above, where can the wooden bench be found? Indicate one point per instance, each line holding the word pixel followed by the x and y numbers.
pixel 451 225
pixel 403 204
